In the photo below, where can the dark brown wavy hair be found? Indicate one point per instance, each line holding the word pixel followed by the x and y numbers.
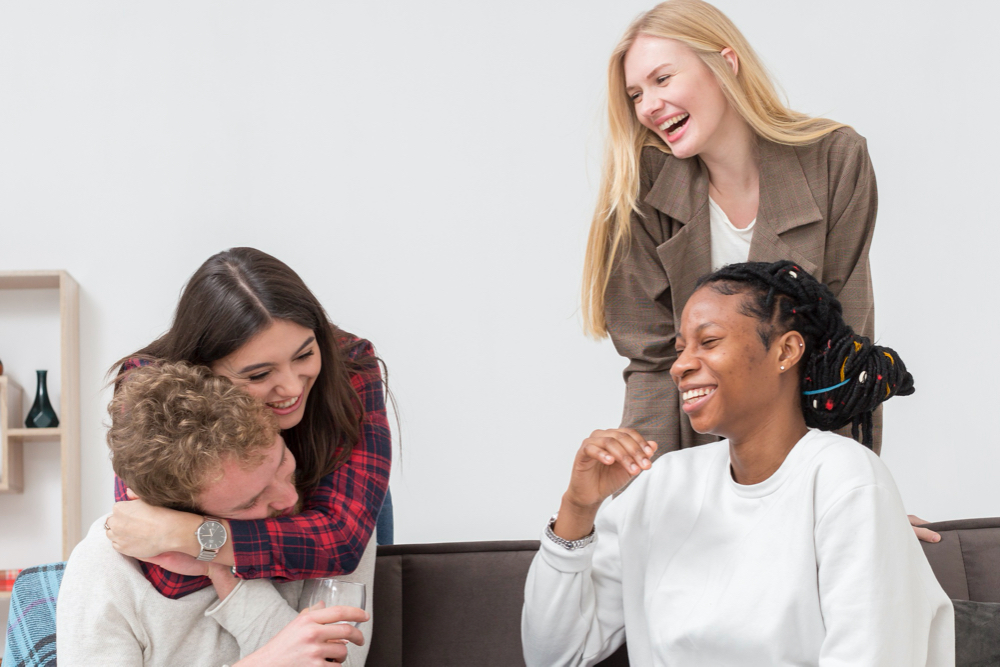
pixel 235 295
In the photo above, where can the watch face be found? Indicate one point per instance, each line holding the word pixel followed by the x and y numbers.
pixel 211 535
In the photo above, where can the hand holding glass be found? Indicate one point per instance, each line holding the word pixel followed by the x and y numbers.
pixel 338 593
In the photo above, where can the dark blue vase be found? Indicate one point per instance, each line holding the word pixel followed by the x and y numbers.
pixel 42 415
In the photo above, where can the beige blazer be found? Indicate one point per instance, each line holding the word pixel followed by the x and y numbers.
pixel 817 208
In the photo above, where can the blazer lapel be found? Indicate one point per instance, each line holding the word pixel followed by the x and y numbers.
pixel 786 202
pixel 681 192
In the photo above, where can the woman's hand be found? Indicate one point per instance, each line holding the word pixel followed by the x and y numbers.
pixel 605 462
pixel 143 531
pixel 922 533
pixel 309 640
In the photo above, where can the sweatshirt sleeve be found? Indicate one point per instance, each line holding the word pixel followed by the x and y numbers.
pixel 252 613
pixel 880 601
pixel 573 612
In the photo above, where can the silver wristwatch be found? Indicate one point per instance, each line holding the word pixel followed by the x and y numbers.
pixel 570 545
pixel 211 536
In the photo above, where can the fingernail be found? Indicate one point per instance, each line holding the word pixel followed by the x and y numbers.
pixel 645 462
pixel 649 450
pixel 634 468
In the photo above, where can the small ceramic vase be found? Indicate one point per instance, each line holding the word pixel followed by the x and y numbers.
pixel 42 415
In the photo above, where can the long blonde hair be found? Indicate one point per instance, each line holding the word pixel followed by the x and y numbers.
pixel 706 31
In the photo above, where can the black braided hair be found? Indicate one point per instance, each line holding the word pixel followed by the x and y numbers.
pixel 844 376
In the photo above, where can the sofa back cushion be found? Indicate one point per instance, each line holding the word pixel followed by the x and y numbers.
pixel 452 604
pixel 967 559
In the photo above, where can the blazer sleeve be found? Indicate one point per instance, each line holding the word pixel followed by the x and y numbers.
pixel 853 205
pixel 640 321
pixel 853 197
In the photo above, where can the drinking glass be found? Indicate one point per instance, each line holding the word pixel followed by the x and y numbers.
pixel 338 593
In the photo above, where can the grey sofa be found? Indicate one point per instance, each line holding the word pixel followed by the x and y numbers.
pixel 459 604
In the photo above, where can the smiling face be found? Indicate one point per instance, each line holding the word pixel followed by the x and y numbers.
pixel 677 96
pixel 278 367
pixel 728 380
pixel 255 489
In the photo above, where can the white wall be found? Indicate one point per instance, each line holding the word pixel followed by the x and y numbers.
pixel 429 169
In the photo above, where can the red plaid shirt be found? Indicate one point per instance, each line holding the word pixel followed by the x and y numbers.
pixel 338 518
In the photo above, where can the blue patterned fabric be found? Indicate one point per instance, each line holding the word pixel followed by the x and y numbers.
pixel 31 623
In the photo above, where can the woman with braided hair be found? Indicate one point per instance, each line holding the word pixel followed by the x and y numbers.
pixel 784 544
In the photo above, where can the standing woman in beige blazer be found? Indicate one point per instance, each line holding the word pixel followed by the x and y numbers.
pixel 705 166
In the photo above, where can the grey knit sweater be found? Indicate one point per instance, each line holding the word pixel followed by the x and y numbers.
pixel 109 614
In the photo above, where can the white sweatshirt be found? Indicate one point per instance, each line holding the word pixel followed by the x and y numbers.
pixel 817 565
pixel 108 613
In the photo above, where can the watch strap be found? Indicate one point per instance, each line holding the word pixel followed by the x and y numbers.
pixel 569 545
pixel 209 554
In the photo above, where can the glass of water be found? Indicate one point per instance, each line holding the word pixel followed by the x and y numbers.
pixel 334 592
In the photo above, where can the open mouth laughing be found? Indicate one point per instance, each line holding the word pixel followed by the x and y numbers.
pixel 673 125
pixel 695 398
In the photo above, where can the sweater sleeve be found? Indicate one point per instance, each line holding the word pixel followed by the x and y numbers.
pixel 97 621
pixel 880 601
pixel 573 612
pixel 252 613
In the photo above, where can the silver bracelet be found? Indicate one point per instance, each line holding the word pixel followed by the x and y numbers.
pixel 570 545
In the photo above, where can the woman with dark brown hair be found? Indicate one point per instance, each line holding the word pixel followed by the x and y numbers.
pixel 249 317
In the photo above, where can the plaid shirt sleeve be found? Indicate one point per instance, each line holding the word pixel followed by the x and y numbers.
pixel 329 536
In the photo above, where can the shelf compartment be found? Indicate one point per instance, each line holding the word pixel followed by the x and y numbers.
pixel 68 432
pixel 11 451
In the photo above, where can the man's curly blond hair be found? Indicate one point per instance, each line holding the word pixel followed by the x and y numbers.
pixel 174 424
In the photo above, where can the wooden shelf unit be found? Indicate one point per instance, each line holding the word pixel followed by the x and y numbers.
pixel 13 435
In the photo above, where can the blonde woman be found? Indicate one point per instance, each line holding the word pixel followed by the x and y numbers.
pixel 705 166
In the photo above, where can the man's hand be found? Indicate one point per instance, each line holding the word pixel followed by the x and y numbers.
pixel 310 639
pixel 222 579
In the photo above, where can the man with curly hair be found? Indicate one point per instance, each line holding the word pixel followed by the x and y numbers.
pixel 184 439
